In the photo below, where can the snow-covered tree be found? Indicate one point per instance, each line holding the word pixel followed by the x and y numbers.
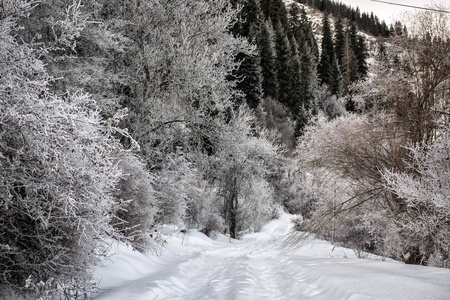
pixel 345 156
pixel 328 68
pixel 424 61
pixel 241 167
pixel 58 173
pixel 403 103
pixel 425 187
pixel 138 215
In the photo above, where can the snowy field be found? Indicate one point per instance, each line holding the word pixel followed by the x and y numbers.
pixel 195 267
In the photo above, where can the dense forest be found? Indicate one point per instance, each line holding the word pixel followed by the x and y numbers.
pixel 119 116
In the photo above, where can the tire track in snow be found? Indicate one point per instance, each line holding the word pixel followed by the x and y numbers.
pixel 255 268
pixel 244 270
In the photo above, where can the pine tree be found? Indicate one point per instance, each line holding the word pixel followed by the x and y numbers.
pixel 308 84
pixel 340 40
pixel 326 55
pixel 336 77
pixel 398 28
pixel 249 77
pixel 249 18
pixel 295 100
pixel 308 35
pixel 268 60
pixel 328 68
pixel 303 67
pixel 265 5
pixel 294 22
pixel 308 75
pixel 361 56
pixel 277 13
pixel 349 65
pixel 283 65
pixel 352 35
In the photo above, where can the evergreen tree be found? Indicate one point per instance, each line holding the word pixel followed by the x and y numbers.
pixel 265 5
pixel 268 60
pixel 294 22
pixel 249 18
pixel 327 52
pixel 300 28
pixel 303 64
pixel 278 13
pixel 275 10
pixel 349 65
pixel 397 29
pixel 340 40
pixel 249 77
pixel 366 22
pixel 308 75
pixel 351 32
pixel 308 35
pixel 328 68
pixel 295 100
pixel 336 77
pixel 308 83
pixel 361 56
pixel 358 45
pixel 322 5
pixel 283 65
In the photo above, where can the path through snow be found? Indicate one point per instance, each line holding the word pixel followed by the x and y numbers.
pixel 194 267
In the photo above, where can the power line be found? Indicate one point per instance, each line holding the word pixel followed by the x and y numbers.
pixel 413 6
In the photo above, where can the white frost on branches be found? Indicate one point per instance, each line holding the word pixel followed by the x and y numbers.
pixel 58 172
pixel 426 191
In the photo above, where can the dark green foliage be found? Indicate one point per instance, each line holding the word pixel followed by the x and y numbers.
pixel 308 77
pixel 358 47
pixel 352 35
pixel 327 53
pixel 336 77
pixel 268 61
pixel 300 29
pixel 308 35
pixel 295 100
pixel 275 10
pixel 301 121
pixel 361 55
pixel 249 77
pixel 294 61
pixel 349 66
pixel 250 21
pixel 283 65
pixel 339 40
pixel 328 68
pixel 351 53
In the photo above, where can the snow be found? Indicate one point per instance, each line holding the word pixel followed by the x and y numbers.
pixel 195 267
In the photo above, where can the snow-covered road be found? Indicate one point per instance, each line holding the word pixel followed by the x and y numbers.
pixel 194 267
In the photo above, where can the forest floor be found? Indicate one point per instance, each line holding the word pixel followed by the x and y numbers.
pixel 193 267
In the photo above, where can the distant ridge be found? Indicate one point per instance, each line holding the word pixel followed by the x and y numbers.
pixel 368 23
